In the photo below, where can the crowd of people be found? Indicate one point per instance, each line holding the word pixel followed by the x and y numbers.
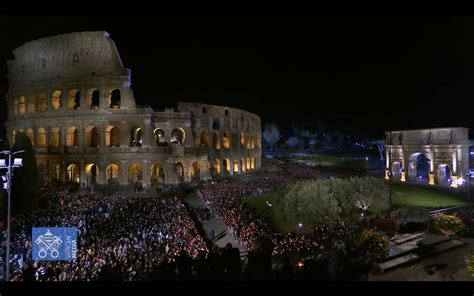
pixel 129 236
pixel 247 225
pixel 156 238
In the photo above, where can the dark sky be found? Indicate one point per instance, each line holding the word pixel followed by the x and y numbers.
pixel 365 72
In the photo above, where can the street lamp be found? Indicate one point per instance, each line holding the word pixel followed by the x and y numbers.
pixel 17 162
pixel 468 187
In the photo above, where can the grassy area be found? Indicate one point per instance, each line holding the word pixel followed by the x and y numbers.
pixel 342 161
pixel 405 195
pixel 259 204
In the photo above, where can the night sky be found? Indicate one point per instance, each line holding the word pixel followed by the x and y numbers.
pixel 367 73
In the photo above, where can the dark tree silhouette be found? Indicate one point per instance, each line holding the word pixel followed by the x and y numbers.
pixel 25 187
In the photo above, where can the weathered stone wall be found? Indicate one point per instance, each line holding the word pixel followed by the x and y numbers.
pixel 63 94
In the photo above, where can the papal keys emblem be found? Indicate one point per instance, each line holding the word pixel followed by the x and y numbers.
pixel 48 243
pixel 54 243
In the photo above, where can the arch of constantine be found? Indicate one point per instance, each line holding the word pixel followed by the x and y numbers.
pixel 71 95
pixel 438 156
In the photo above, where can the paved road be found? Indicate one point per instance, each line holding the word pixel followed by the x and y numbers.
pixel 222 236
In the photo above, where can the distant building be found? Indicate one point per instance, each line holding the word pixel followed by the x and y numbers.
pixel 71 94
pixel 435 156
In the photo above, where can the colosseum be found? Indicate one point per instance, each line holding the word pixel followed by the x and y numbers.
pixel 71 95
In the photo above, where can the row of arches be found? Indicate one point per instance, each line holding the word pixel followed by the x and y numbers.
pixel 419 170
pixel 23 105
pixel 92 170
pixel 226 140
pixel 228 165
pixel 113 137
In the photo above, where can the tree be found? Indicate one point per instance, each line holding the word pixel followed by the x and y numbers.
pixel 381 147
pixel 25 186
pixel 271 135
pixel 292 142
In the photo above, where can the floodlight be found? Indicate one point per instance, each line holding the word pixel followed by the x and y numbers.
pixel 18 162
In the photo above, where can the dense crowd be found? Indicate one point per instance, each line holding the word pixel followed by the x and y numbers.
pixel 223 198
pixel 155 238
pixel 130 236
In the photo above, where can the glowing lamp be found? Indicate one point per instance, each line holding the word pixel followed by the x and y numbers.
pixel 18 162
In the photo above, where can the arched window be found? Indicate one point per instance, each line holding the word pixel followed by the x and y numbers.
pixel 157 174
pixel 112 174
pixel 43 102
pixel 41 137
pixel 30 134
pixel 31 105
pixel 236 166
pixel 160 137
pixel 136 137
pixel 55 140
pixel 115 98
pixel 92 174
pixel 57 172
pixel 205 139
pixel 217 166
pixel 93 98
pixel 195 172
pixel 226 165
pixel 135 174
pixel 112 136
pixel 177 136
pixel 179 170
pixel 196 139
pixel 226 140
pixel 92 137
pixel 242 140
pixel 248 164
pixel 15 107
pixel 72 137
pixel 252 163
pixel 56 99
pixel 73 173
pixel 217 140
pixel 22 105
pixel 242 165
pixel 248 142
pixel 73 99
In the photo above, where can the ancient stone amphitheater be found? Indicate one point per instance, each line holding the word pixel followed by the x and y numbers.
pixel 71 95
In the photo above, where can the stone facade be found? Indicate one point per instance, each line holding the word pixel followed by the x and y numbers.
pixel 435 156
pixel 71 94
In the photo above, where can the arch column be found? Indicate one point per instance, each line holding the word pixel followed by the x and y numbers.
pixel 146 133
pixel 82 173
pixel 123 171
pixel 63 171
pixel 145 174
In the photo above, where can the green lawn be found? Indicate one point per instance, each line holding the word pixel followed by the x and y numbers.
pixel 342 161
pixel 405 195
pixel 259 204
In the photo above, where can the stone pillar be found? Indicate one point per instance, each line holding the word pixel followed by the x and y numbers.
pixel 82 173
pixel 63 171
pixel 123 169
pixel 170 175
pixel 82 98
pixel 146 134
pixel 102 177
pixel 145 174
